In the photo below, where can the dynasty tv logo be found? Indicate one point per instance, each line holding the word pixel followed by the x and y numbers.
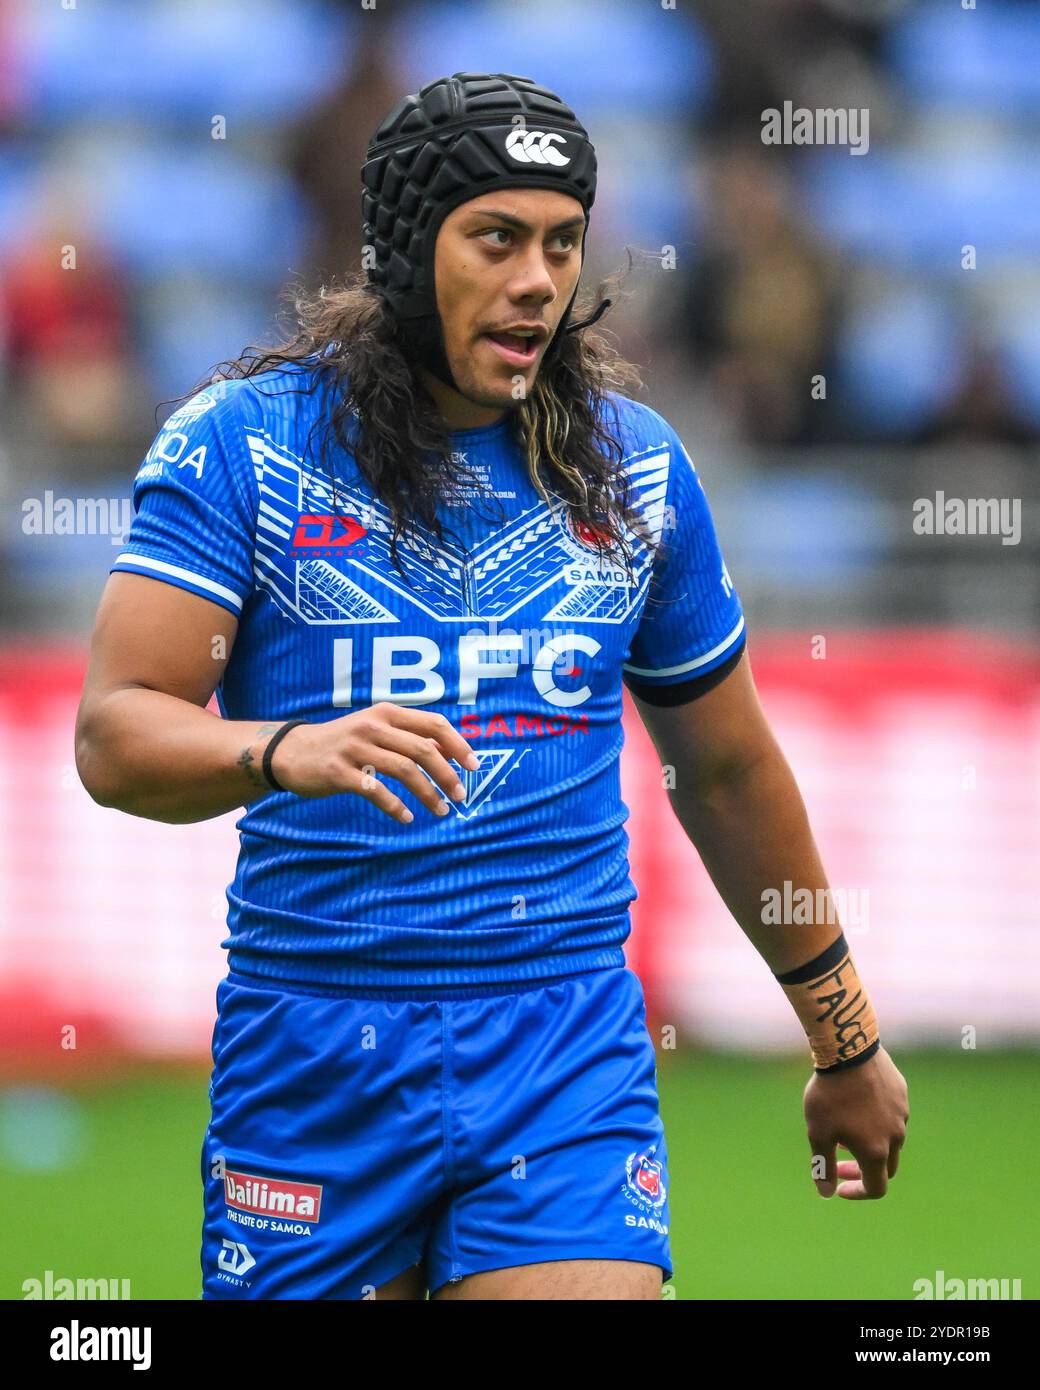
pixel 323 532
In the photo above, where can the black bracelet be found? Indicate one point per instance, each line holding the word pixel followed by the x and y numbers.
pixel 276 738
pixel 856 1061
pixel 828 958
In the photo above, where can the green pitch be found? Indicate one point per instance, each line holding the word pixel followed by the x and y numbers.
pixel 121 1200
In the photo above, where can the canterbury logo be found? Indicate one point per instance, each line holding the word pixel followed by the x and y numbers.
pixel 535 147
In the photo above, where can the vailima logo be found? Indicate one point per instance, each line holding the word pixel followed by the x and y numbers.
pixel 254 1193
pixel 535 147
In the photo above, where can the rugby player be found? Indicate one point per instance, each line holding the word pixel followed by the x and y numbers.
pixel 416 552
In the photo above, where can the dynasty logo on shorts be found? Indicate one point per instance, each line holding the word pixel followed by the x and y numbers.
pixel 293 1204
pixel 644 1186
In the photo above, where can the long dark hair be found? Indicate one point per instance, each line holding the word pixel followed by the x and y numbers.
pixel 346 342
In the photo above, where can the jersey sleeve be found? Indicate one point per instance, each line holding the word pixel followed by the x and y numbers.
pixel 691 633
pixel 196 500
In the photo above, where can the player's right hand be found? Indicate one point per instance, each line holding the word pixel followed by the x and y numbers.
pixel 864 1109
pixel 386 740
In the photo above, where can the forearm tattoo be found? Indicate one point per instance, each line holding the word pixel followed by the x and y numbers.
pixel 250 765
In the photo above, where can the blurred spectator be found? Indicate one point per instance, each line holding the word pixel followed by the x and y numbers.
pixel 328 147
pixel 981 410
pixel 757 312
pixel 810 52
pixel 12 90
pixel 68 334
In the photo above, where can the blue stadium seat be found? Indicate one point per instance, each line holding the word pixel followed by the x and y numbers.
pixel 188 326
pixel 19 180
pixel 899 360
pixel 255 60
pixel 851 532
pixel 611 57
pixel 916 208
pixel 1019 351
pixel 169 207
pixel 986 58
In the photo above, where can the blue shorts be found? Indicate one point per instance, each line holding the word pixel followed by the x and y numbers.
pixel 352 1138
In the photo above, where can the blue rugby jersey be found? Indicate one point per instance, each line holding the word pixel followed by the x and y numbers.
pixel 513 629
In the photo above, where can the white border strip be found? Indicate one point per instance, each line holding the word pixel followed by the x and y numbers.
pixel 176 572
pixel 697 661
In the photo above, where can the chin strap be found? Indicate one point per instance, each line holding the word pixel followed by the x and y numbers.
pixel 585 323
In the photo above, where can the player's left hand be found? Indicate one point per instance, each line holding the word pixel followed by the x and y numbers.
pixel 864 1110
